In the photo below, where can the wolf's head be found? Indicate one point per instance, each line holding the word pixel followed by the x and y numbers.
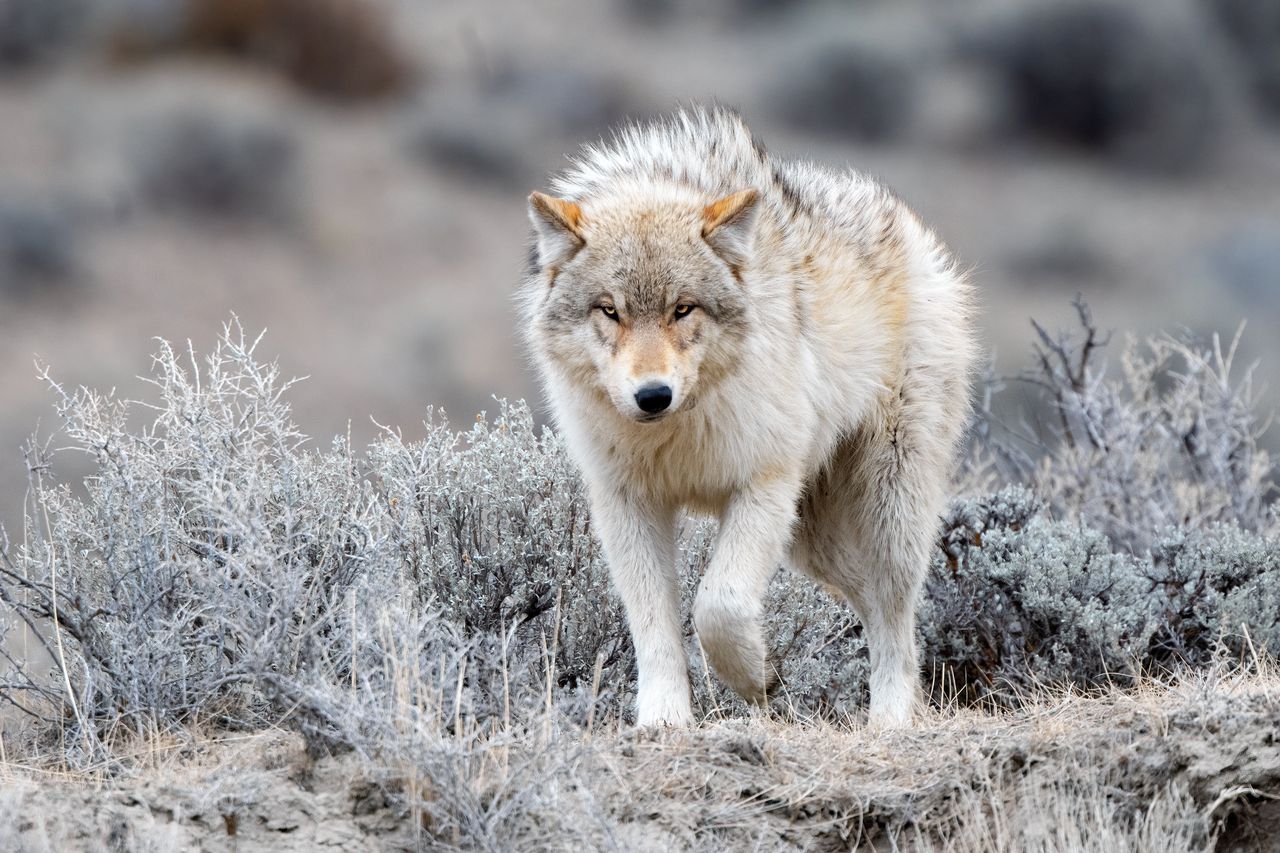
pixel 639 294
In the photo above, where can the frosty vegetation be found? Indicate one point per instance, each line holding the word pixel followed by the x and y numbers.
pixel 424 602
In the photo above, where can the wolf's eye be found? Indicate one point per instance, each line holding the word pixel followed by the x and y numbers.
pixel 683 310
pixel 610 312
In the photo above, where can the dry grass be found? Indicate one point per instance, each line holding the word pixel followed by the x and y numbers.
pixel 1172 765
pixel 1136 770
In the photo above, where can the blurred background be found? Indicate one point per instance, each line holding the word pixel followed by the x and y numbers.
pixel 351 174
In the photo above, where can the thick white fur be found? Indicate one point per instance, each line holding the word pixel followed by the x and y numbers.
pixel 825 436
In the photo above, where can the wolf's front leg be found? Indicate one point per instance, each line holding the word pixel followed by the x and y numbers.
pixel 755 530
pixel 639 543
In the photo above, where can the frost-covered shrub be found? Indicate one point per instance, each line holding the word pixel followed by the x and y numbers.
pixel 1173 441
pixel 818 649
pixel 1019 599
pixel 214 568
pixel 1016 600
pixel 493 530
pixel 1212 588
pixel 208 550
pixel 403 600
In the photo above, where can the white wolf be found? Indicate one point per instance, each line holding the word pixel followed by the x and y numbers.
pixel 781 345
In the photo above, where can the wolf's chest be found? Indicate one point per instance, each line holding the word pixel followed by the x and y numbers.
pixel 696 468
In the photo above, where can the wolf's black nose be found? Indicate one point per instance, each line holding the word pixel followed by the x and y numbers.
pixel 653 398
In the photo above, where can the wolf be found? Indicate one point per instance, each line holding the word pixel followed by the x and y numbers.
pixel 783 346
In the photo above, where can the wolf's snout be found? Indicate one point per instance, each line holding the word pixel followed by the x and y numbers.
pixel 653 398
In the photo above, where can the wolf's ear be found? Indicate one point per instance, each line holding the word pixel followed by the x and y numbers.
pixel 557 222
pixel 728 226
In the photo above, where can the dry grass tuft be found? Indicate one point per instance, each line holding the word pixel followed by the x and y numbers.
pixel 1171 765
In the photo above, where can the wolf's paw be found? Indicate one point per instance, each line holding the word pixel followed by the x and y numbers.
pixel 731 642
pixel 893 712
pixel 664 711
pixel 890 720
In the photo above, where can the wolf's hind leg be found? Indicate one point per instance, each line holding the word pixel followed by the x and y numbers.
pixel 883 596
pixel 866 529
pixel 894 530
pixel 886 605
pixel 754 531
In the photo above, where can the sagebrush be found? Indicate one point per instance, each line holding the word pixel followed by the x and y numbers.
pixel 217 569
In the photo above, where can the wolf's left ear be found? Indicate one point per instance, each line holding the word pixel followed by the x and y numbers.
pixel 557 224
pixel 728 226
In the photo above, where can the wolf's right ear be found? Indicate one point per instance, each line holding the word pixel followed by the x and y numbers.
pixel 557 223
